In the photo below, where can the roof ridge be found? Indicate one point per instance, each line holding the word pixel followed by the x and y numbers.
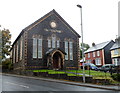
pixel 102 42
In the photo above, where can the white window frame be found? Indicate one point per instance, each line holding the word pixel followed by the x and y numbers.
pixel 88 61
pixel 98 61
pixel 93 54
pixel 88 55
pixel 98 53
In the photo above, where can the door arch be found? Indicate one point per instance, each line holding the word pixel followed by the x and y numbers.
pixel 57 60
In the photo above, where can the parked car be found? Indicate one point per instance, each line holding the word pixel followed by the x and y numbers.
pixel 91 66
pixel 107 68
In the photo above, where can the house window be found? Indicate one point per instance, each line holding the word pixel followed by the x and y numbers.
pixel 49 43
pixel 116 52
pixel 58 43
pixel 93 54
pixel 53 41
pixel 34 47
pixel 98 53
pixel 66 50
pixel 88 55
pixel 88 61
pixel 98 61
pixel 21 44
pixel 71 50
pixel 39 48
pixel 116 61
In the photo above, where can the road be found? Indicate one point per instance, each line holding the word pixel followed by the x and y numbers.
pixel 12 83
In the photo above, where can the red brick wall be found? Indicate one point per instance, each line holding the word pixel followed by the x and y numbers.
pixel 93 58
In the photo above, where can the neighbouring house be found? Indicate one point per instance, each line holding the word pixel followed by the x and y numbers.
pixel 99 54
pixel 50 42
pixel 115 52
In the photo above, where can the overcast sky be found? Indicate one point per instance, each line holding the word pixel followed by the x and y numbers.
pixel 100 17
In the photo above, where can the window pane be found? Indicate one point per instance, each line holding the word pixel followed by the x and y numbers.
pixel 58 43
pixel 53 42
pixel 34 47
pixel 39 48
pixel 71 50
pixel 98 53
pixel 93 54
pixel 88 55
pixel 49 43
pixel 98 61
pixel 116 52
pixel 66 50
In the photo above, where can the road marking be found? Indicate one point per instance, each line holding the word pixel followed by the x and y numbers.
pixel 17 84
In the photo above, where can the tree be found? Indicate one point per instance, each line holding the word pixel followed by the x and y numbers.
pixel 6 43
pixel 85 47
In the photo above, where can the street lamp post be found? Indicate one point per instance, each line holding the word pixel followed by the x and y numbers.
pixel 82 42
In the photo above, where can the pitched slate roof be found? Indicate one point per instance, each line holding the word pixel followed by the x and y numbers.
pixel 98 46
pixel 115 46
pixel 42 19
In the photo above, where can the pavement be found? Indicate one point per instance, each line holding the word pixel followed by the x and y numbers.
pixel 107 87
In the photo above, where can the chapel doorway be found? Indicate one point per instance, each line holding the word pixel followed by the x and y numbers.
pixel 57 61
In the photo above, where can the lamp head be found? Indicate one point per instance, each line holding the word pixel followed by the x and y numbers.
pixel 79 6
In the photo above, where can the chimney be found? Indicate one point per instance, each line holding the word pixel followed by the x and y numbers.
pixel 93 44
pixel 117 40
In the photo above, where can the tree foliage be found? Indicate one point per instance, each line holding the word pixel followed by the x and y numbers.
pixel 85 47
pixel 6 43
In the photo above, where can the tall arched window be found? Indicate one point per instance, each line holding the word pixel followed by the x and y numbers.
pixel 53 41
pixel 34 47
pixel 58 43
pixel 71 50
pixel 66 50
pixel 49 42
pixel 37 46
pixel 40 48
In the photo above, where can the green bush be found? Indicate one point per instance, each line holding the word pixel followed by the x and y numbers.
pixel 7 64
pixel 116 77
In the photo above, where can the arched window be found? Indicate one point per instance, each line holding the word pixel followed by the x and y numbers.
pixel 49 42
pixel 53 41
pixel 66 49
pixel 71 50
pixel 37 46
pixel 34 47
pixel 40 48
pixel 58 43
